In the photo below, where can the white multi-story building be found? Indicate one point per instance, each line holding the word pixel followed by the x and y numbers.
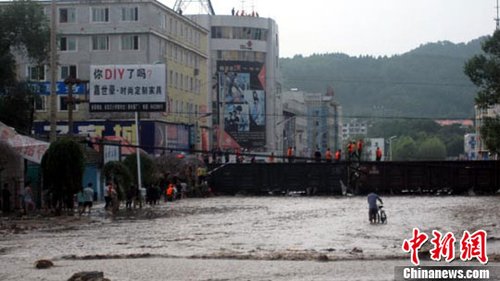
pixel 244 68
pixel 353 130
pixel 132 32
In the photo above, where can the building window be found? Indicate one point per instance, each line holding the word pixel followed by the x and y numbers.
pixel 68 71
pixel 41 103
pixel 163 23
pixel 67 44
pixel 100 15
pixel 100 43
pixel 67 15
pixel 36 73
pixel 130 42
pixel 130 14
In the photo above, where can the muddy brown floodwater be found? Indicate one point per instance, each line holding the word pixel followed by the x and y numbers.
pixel 242 238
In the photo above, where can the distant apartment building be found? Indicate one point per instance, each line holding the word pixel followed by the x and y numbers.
pixel 354 129
pixel 481 152
pixel 293 127
pixel 128 33
pixel 316 119
pixel 245 81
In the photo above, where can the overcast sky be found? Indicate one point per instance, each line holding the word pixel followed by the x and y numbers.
pixel 366 27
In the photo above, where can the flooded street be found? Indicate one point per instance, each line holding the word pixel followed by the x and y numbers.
pixel 244 238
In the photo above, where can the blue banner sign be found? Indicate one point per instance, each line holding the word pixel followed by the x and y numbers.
pixel 43 88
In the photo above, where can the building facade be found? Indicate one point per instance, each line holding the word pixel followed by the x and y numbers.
pixel 481 152
pixel 132 32
pixel 315 122
pixel 354 129
pixel 246 84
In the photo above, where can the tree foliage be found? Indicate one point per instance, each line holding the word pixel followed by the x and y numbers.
pixel 425 82
pixel 24 29
pixel 62 169
pixel 490 134
pixel 404 148
pixel 452 136
pixel 17 108
pixel 120 175
pixel 431 149
pixel 148 168
pixel 484 71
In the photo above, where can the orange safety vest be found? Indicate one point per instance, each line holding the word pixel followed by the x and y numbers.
pixel 328 155
pixel 337 155
pixel 170 190
pixel 360 145
pixel 379 153
pixel 289 152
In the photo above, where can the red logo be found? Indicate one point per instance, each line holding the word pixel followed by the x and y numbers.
pixel 471 246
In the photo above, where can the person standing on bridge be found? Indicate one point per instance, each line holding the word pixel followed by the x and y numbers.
pixel 338 155
pixel 360 148
pixel 350 150
pixel 328 156
pixel 378 154
pixel 317 155
pixel 289 154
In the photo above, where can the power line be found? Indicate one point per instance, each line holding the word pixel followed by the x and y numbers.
pixel 347 116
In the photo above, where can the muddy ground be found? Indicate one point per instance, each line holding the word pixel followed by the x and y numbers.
pixel 240 238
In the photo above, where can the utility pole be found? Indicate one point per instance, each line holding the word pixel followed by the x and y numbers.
pixel 70 82
pixel 497 19
pixel 53 68
pixel 221 112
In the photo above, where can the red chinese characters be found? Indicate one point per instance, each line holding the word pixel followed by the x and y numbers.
pixel 444 246
pixel 471 246
pixel 474 246
pixel 414 244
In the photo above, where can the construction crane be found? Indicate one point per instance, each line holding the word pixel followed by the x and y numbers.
pixel 181 5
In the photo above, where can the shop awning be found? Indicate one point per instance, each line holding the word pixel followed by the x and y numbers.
pixel 29 148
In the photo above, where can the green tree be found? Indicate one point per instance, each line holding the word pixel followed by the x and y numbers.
pixel 484 71
pixel 17 108
pixel 490 133
pixel 120 175
pixel 404 148
pixel 148 168
pixel 24 29
pixel 62 170
pixel 431 149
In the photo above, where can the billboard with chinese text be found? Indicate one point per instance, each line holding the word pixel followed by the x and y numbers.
pixel 122 88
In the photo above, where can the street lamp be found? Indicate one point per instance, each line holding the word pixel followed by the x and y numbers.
pixel 390 147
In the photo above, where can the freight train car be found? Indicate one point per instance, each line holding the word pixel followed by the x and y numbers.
pixel 448 177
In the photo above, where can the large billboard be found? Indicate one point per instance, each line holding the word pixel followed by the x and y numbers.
pixel 138 87
pixel 242 99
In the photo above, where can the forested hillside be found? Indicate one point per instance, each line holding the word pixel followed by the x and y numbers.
pixel 425 82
